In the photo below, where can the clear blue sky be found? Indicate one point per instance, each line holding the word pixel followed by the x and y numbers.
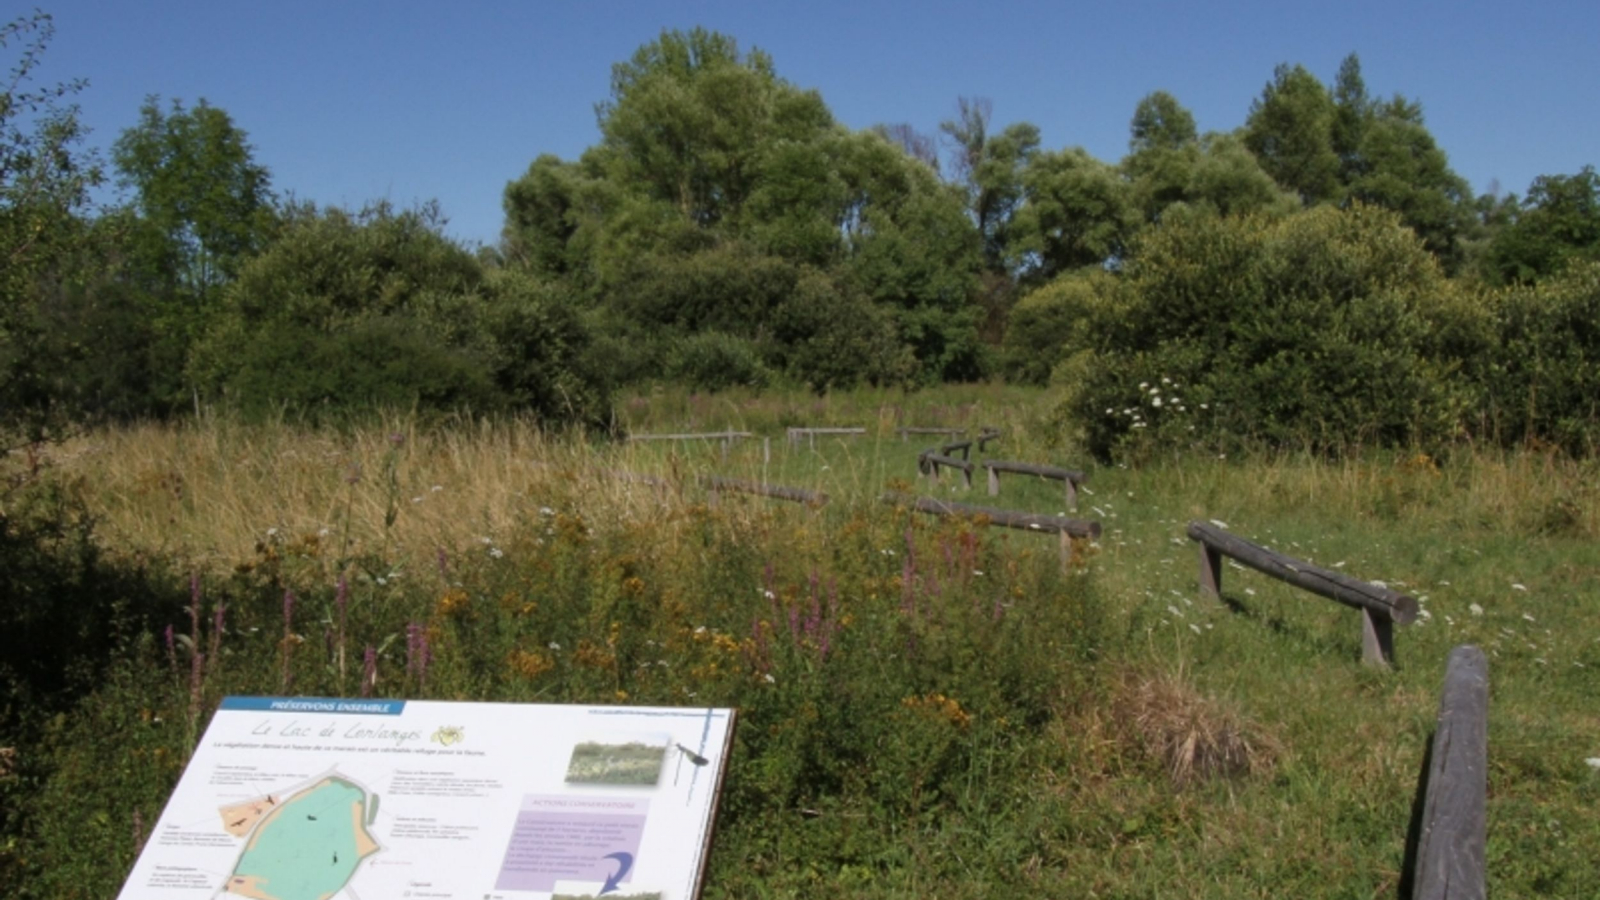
pixel 347 102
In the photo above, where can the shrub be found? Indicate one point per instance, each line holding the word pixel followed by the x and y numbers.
pixel 1543 380
pixel 1323 330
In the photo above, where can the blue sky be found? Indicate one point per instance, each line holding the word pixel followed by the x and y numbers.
pixel 347 102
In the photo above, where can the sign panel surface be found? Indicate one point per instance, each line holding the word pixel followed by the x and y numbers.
pixel 297 798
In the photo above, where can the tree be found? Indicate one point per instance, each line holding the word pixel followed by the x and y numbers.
pixel 196 181
pixel 1078 212
pixel 1290 130
pixel 45 181
pixel 1160 122
pixel 989 167
pixel 1558 221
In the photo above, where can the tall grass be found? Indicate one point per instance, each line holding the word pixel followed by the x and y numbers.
pixel 929 707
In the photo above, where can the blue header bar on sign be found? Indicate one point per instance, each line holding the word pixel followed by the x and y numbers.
pixel 315 705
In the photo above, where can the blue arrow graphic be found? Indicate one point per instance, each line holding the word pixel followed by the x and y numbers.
pixel 626 860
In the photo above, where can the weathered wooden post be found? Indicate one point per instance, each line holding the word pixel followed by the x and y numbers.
pixel 1210 570
pixel 1450 851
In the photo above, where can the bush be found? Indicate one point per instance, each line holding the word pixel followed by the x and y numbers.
pixel 1543 381
pixel 713 361
pixel 1325 330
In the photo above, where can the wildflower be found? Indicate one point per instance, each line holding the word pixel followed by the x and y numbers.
pixel 1593 762
pixel 554 646
pixel 1155 401
pixel 1528 618
pixel 1518 587
pixel 1194 628
pixel 1219 523
pixel 436 488
pixel 1475 609
pixel 496 552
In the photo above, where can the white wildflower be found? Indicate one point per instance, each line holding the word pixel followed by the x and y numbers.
pixel 1219 523
pixel 496 552
pixel 1528 618
pixel 1194 628
pixel 553 645
pixel 1475 609
pixel 1518 587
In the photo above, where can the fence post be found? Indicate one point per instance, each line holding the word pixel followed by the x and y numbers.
pixel 1377 639
pixel 1210 570
pixel 994 480
pixel 1450 851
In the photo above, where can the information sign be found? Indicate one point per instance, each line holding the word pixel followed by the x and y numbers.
pixel 295 798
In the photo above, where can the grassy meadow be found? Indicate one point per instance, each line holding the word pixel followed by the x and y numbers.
pixel 929 707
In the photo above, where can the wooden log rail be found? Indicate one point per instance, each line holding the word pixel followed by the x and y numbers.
pixel 795 434
pixel 726 437
pixel 716 484
pixel 907 431
pixel 986 435
pixel 1450 849
pixel 1072 478
pixel 1066 528
pixel 928 463
pixel 1381 608
pixel 954 447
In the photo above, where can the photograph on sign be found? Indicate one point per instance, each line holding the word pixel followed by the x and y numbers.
pixel 317 799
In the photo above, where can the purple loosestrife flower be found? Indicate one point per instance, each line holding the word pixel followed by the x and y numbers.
pixel 369 671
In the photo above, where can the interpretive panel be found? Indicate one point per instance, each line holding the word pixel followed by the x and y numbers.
pixel 295 798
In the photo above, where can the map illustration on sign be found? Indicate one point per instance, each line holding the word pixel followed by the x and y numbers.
pixel 303 845
pixel 309 798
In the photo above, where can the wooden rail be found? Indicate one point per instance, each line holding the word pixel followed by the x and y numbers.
pixel 726 437
pixel 1450 850
pixel 1381 608
pixel 795 434
pixel 985 436
pixel 717 484
pixel 906 432
pixel 952 448
pixel 928 463
pixel 1070 477
pixel 1004 518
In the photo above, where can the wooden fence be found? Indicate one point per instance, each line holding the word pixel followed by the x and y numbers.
pixel 1070 477
pixel 928 463
pixel 717 485
pixel 726 437
pixel 1066 528
pixel 1450 850
pixel 1381 608
pixel 906 432
pixel 796 434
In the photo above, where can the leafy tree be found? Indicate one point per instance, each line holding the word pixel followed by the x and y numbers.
pixel 689 117
pixel 542 216
pixel 45 179
pixel 1398 166
pixel 1160 122
pixel 1079 212
pixel 196 181
pixel 1558 222
pixel 1290 130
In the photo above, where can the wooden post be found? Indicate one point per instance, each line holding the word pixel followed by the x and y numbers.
pixel 766 451
pixel 1450 850
pixel 1072 494
pixel 994 481
pixel 1377 639
pixel 1210 570
pixel 1066 553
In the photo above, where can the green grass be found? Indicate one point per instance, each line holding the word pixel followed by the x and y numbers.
pixel 997 727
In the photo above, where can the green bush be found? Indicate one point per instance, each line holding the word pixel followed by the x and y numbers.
pixel 713 361
pixel 1325 330
pixel 1543 381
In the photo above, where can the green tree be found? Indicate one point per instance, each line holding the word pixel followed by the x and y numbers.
pixel 1558 221
pixel 196 181
pixel 1290 130
pixel 45 179
pixel 1079 212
